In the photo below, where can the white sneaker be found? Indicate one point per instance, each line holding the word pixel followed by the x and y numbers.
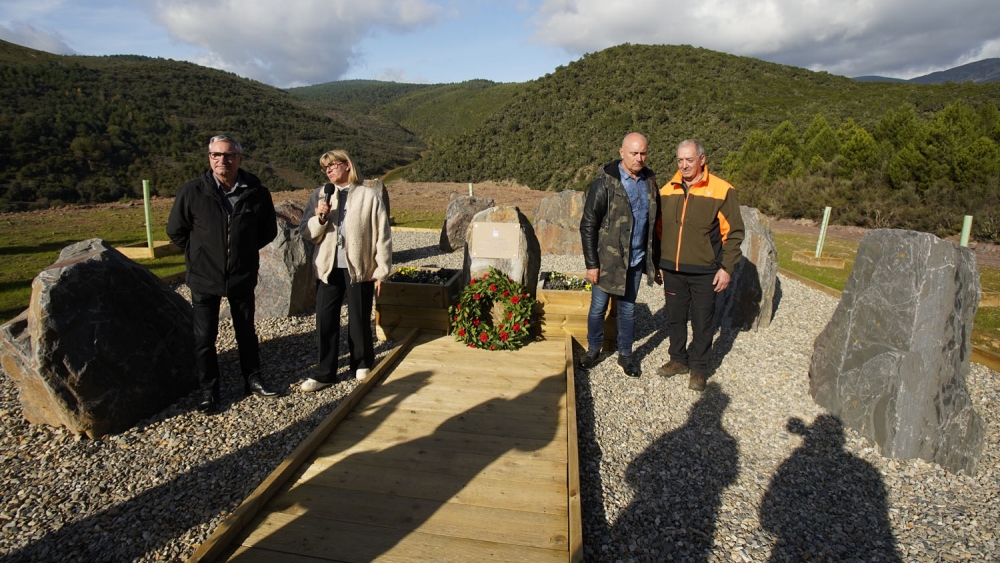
pixel 310 385
pixel 361 373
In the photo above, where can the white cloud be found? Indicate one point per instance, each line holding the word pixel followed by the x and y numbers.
pixel 28 36
pixel 287 42
pixel 851 37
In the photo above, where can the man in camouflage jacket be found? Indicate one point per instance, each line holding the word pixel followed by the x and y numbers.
pixel 618 246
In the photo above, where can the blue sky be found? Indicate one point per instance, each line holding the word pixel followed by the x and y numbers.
pixel 300 42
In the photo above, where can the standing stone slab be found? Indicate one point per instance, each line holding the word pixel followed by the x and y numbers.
pixel 104 343
pixel 524 267
pixel 893 360
pixel 286 283
pixel 557 223
pixel 748 303
pixel 457 218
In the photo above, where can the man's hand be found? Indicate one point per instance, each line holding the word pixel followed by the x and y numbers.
pixel 593 275
pixel 721 281
pixel 378 288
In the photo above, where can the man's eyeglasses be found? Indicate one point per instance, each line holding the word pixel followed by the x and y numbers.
pixel 223 155
pixel 333 165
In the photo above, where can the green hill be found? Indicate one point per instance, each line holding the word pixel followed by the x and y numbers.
pixel 435 112
pixel 556 129
pixel 92 128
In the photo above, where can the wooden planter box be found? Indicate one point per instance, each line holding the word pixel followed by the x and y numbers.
pixel 402 306
pixel 560 312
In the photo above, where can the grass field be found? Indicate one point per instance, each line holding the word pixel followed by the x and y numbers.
pixel 30 242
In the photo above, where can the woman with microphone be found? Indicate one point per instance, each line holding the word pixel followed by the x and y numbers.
pixel 349 223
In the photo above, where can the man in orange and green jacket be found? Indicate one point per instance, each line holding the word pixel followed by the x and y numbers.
pixel 700 230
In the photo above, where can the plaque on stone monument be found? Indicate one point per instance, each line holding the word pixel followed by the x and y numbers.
pixel 494 240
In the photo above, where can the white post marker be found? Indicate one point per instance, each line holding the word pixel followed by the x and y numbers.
pixel 470 189
pixel 966 229
pixel 149 223
pixel 822 233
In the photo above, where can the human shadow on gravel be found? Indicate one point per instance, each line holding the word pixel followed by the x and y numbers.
pixel 648 323
pixel 825 504
pixel 776 300
pixel 143 523
pixel 677 483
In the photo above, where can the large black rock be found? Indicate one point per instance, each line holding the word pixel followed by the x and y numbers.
pixel 893 360
pixel 286 282
pixel 104 343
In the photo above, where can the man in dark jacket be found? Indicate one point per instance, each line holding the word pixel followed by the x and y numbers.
pixel 617 235
pixel 222 219
pixel 700 230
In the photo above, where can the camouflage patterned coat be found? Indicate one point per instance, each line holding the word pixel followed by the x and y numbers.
pixel 606 228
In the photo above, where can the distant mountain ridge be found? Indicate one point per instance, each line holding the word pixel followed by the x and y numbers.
pixel 980 72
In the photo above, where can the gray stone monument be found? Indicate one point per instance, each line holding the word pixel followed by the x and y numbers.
pixel 286 283
pixel 502 237
pixel 103 344
pixel 748 302
pixel 557 223
pixel 460 211
pixel 893 360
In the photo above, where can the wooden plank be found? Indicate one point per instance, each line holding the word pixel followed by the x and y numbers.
pixel 232 525
pixel 429 517
pixel 467 388
pixel 391 316
pixel 414 457
pixel 552 407
pixel 479 490
pixel 575 511
pixel 421 295
pixel 390 434
pixel 475 423
pixel 342 541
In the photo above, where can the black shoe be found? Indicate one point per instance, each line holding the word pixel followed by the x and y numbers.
pixel 208 404
pixel 628 366
pixel 256 386
pixel 590 359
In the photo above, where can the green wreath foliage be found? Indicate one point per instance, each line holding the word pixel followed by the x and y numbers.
pixel 478 324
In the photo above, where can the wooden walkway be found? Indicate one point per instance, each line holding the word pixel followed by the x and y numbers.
pixel 457 455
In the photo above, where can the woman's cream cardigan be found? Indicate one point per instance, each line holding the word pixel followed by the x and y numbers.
pixel 367 235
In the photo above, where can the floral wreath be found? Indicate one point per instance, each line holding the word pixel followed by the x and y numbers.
pixel 476 320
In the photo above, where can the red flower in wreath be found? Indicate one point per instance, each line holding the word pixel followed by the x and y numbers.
pixel 510 314
pixel 493 287
pixel 475 322
pixel 484 337
pixel 482 296
pixel 515 299
pixel 506 293
pixel 478 296
pixel 461 331
pixel 517 326
pixel 504 336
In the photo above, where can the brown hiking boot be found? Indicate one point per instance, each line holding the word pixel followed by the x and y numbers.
pixel 697 381
pixel 672 368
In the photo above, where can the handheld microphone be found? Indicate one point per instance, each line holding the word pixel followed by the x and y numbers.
pixel 328 190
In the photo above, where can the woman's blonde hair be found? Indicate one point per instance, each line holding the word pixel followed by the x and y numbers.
pixel 330 157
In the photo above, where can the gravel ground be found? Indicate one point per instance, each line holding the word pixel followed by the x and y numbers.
pixel 751 470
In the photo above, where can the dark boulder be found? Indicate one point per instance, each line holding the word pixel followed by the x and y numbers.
pixel 103 344
pixel 286 283
pixel 460 211
pixel 893 360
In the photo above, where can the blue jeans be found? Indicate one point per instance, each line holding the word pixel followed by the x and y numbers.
pixel 626 313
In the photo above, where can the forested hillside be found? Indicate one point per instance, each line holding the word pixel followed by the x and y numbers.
pixel 92 128
pixel 436 113
pixel 556 131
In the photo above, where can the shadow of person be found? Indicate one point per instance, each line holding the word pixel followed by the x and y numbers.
pixel 824 504
pixel 361 503
pixel 677 483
